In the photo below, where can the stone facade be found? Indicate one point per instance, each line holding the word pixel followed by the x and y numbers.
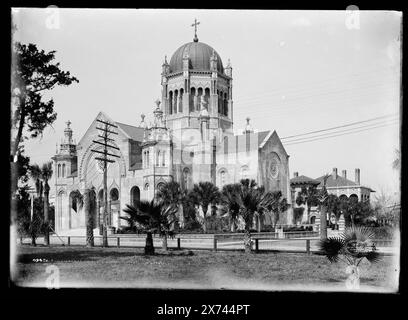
pixel 191 140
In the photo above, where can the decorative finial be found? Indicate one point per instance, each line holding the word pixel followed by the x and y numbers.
pixel 142 116
pixel 157 102
pixel 195 24
pixel 68 123
pixel 247 119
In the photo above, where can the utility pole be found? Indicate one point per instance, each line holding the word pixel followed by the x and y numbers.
pixel 105 131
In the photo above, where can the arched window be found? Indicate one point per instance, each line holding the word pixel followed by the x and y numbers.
pixel 200 93
pixel 354 198
pixel 147 159
pixel 244 172
pixel 146 186
pixel 63 169
pixel 134 195
pixel 170 102
pixel 225 113
pixel 59 170
pixel 223 177
pixel 175 104
pixel 114 194
pixel 158 159
pixel 181 101
pixel 192 94
pixel 163 158
pixel 207 96
pixel 219 101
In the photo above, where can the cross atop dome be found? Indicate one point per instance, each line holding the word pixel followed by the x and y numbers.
pixel 195 24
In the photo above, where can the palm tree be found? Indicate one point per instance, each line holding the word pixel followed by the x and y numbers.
pixel 154 216
pixel 35 174
pixel 252 199
pixel 205 194
pixel 322 199
pixel 353 246
pixel 46 173
pixel 88 201
pixel 41 177
pixel 308 196
pixel 171 194
pixel 277 204
pixel 230 203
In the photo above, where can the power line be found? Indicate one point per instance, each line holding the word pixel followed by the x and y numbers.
pixel 314 83
pixel 336 135
pixel 342 126
pixel 342 131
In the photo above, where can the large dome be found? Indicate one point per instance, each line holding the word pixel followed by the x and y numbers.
pixel 199 54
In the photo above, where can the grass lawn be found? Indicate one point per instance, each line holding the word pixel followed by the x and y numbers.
pixel 128 267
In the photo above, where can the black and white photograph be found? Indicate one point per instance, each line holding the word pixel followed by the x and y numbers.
pixel 207 149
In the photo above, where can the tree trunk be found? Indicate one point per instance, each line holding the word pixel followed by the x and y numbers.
pixel 149 247
pixel 164 242
pixel 88 219
pixel 33 243
pixel 46 216
pixel 353 280
pixel 259 223
pixel 232 225
pixel 247 241
pixel 323 223
pixel 205 218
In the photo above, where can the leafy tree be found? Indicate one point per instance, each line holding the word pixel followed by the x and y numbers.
pixel 88 202
pixel 171 194
pixel 334 206
pixel 352 247
pixel 153 216
pixel 298 213
pixel 41 177
pixel 205 194
pixel 277 204
pixel 46 173
pixel 356 212
pixel 309 197
pixel 34 73
pixel 230 203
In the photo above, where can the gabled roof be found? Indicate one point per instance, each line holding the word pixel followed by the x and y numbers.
pixel 303 180
pixel 134 133
pixel 262 135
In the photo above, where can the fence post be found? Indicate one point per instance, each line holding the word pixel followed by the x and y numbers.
pixel 215 243
pixel 118 242
pixel 256 245
pixel 69 241
pixel 308 246
pixel 178 243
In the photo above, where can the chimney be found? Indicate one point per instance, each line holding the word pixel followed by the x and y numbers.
pixel 334 173
pixel 357 176
pixel 344 174
pixel 296 174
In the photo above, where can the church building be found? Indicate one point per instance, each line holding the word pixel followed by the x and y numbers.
pixel 191 139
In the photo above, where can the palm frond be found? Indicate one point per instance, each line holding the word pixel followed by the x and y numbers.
pixel 332 247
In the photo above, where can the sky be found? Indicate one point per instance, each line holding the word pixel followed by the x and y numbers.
pixel 293 72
